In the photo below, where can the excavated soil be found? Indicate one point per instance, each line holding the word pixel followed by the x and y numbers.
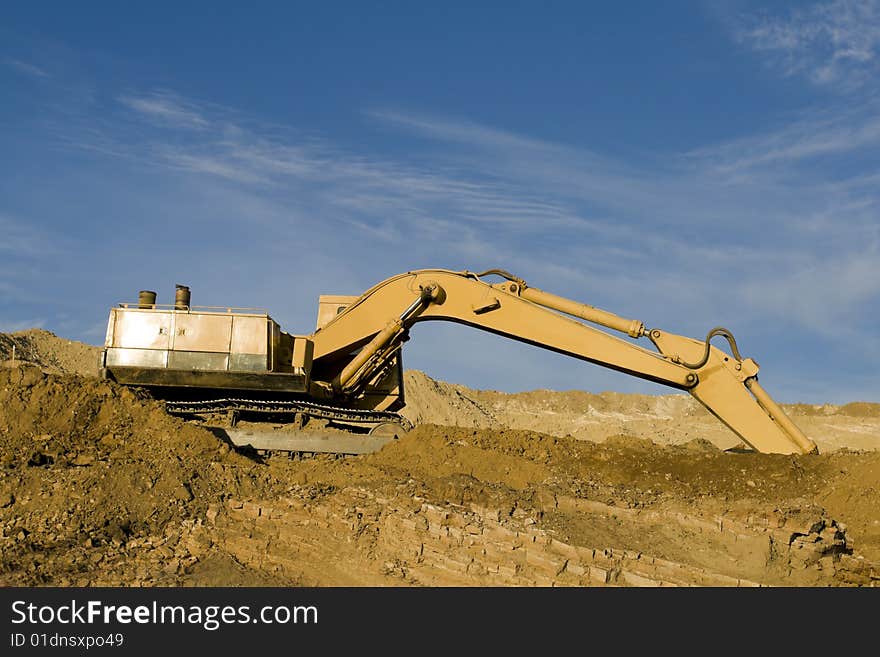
pixel 665 419
pixel 49 352
pixel 99 486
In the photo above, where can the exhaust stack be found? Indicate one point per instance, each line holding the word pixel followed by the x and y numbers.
pixel 181 297
pixel 146 299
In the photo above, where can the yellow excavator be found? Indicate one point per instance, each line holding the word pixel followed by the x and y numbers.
pixel 346 378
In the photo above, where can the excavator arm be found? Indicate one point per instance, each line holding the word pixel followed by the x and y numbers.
pixel 365 337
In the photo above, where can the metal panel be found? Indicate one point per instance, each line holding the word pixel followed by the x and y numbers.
pixel 152 376
pixel 197 360
pixel 248 363
pixel 250 335
pixel 136 357
pixel 274 347
pixel 303 348
pixel 141 329
pixel 202 332
pixel 111 325
pixel 330 305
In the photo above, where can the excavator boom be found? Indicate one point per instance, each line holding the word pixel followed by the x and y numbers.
pixel 377 322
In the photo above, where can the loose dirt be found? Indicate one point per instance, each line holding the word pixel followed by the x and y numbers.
pixel 665 419
pixel 99 486
pixel 49 352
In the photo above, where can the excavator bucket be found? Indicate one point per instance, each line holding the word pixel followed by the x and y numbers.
pixel 728 387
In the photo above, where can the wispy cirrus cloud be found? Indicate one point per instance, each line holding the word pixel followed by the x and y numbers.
pixel 460 131
pixel 738 232
pixel 768 208
pixel 815 293
pixel 19 239
pixel 552 210
pixel 26 68
pixel 620 223
pixel 831 43
pixel 360 188
pixel 806 139
pixel 167 108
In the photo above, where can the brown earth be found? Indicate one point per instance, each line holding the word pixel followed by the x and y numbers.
pixel 51 353
pixel 665 419
pixel 98 486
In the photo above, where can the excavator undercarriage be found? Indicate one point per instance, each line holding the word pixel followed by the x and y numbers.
pixel 338 389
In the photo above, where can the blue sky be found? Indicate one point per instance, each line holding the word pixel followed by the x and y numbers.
pixel 687 163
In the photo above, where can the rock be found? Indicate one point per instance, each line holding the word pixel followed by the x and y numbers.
pixel 183 493
pixel 198 543
pixel 212 512
pixel 83 460
pixel 6 499
pixel 252 510
pixel 30 376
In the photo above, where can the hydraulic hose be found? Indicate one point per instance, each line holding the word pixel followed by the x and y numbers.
pixel 723 332
pixel 503 274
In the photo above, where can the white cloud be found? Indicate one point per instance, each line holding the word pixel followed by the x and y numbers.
pixel 17 238
pixel 832 43
pixel 740 217
pixel 27 68
pixel 382 197
pixel 820 134
pixel 167 108
pixel 216 166
pixel 465 132
pixel 765 222
pixel 822 293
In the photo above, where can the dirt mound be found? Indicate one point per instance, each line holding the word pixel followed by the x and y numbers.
pixel 51 353
pixel 675 419
pixel 625 469
pixel 860 409
pixel 435 402
pixel 90 473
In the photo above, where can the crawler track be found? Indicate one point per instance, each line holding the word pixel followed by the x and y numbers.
pixel 285 407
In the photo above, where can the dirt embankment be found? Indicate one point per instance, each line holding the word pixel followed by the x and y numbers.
pixel 49 352
pixel 90 474
pixel 99 486
pixel 666 419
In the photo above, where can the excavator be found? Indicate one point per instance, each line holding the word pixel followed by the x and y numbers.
pixel 337 389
